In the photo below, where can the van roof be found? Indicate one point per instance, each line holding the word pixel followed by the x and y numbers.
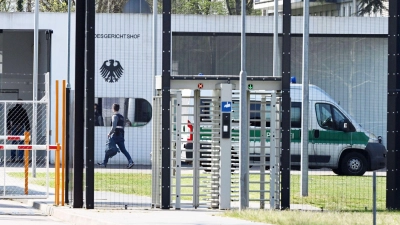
pixel 315 93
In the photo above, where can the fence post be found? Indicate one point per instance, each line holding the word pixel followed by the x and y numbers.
pixel 374 197
pixel 26 160
pixel 57 175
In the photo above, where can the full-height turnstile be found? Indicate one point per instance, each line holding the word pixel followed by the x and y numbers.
pixel 205 142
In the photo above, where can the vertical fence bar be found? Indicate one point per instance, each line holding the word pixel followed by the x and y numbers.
pixel 63 155
pixel 285 157
pixel 196 148
pixel 262 150
pixel 57 151
pixel 243 126
pixel 57 175
pixel 374 197
pixel 393 106
pixel 178 152
pixel 47 94
pixel 90 88
pixel 272 154
pixel 166 83
pixel 80 8
pixel 5 143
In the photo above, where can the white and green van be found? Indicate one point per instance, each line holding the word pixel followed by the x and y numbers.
pixel 336 140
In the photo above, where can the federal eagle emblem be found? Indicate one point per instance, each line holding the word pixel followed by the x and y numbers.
pixel 110 72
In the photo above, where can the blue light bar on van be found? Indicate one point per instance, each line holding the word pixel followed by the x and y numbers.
pixel 293 80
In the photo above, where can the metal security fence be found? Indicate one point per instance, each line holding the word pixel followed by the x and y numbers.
pixel 123 76
pixel 25 149
pixel 345 58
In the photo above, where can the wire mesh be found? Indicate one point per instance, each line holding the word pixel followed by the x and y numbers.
pixel 347 52
pixel 124 77
pixel 24 151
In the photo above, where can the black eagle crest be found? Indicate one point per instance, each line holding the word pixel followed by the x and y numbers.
pixel 110 72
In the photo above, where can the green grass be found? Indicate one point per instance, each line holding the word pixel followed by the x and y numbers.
pixel 126 183
pixel 345 200
pixel 344 193
pixel 339 192
pixel 314 218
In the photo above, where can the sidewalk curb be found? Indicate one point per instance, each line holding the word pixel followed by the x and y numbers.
pixel 65 213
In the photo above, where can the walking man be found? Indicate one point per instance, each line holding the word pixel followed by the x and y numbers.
pixel 17 124
pixel 117 135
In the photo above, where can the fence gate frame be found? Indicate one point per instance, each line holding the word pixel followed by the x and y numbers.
pixel 33 146
pixel 174 169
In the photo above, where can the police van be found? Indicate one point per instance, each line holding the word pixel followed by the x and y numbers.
pixel 336 140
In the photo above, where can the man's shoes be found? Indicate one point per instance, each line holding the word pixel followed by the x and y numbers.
pixel 130 165
pixel 102 165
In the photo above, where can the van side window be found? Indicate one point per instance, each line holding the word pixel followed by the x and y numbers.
pixel 328 116
pixel 295 115
pixel 324 116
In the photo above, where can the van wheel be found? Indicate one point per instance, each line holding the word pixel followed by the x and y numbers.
pixel 354 164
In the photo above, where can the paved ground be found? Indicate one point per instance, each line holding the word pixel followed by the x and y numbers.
pixel 43 211
pixel 13 212
pixel 43 208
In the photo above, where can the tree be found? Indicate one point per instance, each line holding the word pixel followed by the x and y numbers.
pixel 209 7
pixel 55 5
pixel 110 6
pixel 5 6
pixel 235 7
pixel 371 6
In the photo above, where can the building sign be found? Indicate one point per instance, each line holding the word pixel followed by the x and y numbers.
pixel 111 70
pixel 118 36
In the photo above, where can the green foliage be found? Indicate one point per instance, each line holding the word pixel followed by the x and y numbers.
pixel 199 7
pixel 371 6
pixel 5 6
pixel 110 6
pixel 54 6
pixel 20 6
pixel 208 7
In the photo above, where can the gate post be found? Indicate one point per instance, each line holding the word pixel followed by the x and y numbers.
pixel 393 106
pixel 225 146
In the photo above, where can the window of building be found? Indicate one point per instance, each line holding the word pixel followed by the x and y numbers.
pixel 136 111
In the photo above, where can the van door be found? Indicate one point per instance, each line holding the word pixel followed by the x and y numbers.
pixel 328 137
pixel 295 135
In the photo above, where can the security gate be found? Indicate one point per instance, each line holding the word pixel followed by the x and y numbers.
pixel 24 147
pixel 205 146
